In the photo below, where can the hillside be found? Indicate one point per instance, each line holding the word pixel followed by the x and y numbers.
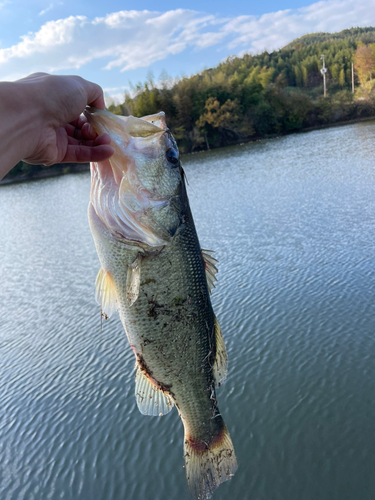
pixel 269 93
pixel 364 35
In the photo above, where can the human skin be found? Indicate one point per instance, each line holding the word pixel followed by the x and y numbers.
pixel 41 122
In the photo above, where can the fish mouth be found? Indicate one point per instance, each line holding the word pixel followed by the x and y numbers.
pixel 104 121
pixel 119 198
pixel 128 135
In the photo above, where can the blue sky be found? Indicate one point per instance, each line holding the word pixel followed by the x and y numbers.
pixel 115 42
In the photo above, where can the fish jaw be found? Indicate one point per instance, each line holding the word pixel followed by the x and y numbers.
pixel 157 119
pixel 116 213
pixel 132 191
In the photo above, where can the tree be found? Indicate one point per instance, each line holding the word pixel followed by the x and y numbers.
pixel 226 118
pixel 364 63
pixel 298 75
pixel 254 94
pixel 342 77
pixel 265 76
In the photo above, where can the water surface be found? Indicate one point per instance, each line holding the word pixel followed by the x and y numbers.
pixel 292 221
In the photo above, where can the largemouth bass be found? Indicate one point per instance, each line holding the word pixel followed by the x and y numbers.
pixel 154 273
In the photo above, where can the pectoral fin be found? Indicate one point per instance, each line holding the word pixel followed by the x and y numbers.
pixel 106 295
pixel 150 400
pixel 210 267
pixel 133 281
pixel 220 367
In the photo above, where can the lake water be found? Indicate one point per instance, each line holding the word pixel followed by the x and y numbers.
pixel 292 221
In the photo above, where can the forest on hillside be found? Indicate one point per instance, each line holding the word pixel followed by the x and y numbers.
pixel 254 96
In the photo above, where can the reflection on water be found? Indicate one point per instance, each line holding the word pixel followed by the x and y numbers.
pixel 292 221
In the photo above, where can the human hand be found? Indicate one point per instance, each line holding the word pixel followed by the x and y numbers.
pixel 53 104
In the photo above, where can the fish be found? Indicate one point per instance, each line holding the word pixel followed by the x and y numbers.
pixel 155 274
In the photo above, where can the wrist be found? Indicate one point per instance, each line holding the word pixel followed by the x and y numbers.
pixel 19 124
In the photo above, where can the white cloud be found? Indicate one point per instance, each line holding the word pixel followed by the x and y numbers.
pixel 127 40
pixel 124 40
pixel 115 95
pixel 42 12
pixel 274 30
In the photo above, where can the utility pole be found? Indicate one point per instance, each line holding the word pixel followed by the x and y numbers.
pixel 323 72
pixel 208 146
pixel 353 78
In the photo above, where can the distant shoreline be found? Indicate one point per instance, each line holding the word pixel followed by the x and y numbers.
pixel 53 171
pixel 336 124
pixel 299 131
pixel 85 167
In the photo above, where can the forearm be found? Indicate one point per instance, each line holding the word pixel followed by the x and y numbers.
pixel 18 123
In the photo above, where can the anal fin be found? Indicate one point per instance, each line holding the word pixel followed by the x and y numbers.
pixel 150 399
pixel 220 367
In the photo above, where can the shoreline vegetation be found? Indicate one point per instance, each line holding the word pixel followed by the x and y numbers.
pixel 64 169
pixel 250 98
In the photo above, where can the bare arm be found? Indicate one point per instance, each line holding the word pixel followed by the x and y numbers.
pixel 40 121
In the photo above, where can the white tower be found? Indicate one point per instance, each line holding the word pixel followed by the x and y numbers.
pixel 323 72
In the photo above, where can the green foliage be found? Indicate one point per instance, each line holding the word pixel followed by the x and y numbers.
pixel 226 119
pixel 342 77
pixel 365 35
pixel 269 93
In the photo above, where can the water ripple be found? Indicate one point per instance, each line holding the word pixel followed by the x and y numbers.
pixel 292 221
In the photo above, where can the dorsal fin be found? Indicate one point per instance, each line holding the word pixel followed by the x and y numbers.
pixel 106 295
pixel 210 267
pixel 220 367
pixel 150 399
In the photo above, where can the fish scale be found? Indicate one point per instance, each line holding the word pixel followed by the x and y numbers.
pixel 173 314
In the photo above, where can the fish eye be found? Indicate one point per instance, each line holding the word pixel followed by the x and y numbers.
pixel 173 156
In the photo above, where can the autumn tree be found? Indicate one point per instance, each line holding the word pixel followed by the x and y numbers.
pixel 364 62
pixel 226 118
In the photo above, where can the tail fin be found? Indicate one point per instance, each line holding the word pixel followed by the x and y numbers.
pixel 207 466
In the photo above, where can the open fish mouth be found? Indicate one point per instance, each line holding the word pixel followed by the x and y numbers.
pixel 123 191
pixel 129 136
